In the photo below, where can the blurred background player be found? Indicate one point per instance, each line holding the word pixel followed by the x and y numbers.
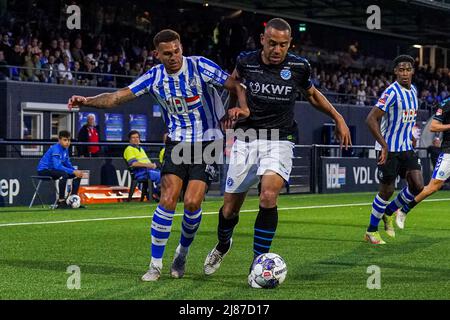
pixel 274 79
pixel 191 107
pixel 143 169
pixel 89 132
pixel 440 123
pixel 397 111
pixel 56 164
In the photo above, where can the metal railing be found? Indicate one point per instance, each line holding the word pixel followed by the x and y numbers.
pixel 93 79
pixel 56 76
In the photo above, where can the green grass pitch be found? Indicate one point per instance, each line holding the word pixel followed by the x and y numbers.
pixel 319 236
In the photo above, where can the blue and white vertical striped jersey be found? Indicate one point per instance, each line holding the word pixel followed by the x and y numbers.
pixel 191 106
pixel 400 105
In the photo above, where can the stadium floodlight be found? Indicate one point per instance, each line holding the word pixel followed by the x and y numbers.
pixel 417 46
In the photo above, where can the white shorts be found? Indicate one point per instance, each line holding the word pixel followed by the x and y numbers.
pixel 250 160
pixel 442 168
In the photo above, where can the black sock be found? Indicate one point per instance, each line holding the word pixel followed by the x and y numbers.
pixel 407 208
pixel 225 231
pixel 265 227
pixel 388 212
pixel 372 228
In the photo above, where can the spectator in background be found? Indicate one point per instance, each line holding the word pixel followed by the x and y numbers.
pixel 361 96
pixel 27 74
pixel 44 57
pixel 58 57
pixel 4 72
pixel 77 76
pixel 66 50
pixel 77 51
pixel 5 45
pixel 65 74
pixel 136 71
pixel 89 132
pixel 53 46
pixel 15 58
pixel 50 71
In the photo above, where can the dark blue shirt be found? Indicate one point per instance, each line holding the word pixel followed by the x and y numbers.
pixel 56 158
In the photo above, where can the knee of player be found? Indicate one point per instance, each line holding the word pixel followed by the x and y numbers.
pixel 168 201
pixel 191 204
pixel 417 189
pixel 268 197
pixel 229 211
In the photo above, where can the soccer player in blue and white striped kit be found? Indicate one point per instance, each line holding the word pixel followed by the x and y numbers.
pixel 192 111
pixel 397 111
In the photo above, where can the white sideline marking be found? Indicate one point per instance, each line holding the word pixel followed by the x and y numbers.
pixel 204 213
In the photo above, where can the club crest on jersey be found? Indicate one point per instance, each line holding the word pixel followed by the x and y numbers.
pixel 439 112
pixel 285 74
pixel 255 87
pixel 193 82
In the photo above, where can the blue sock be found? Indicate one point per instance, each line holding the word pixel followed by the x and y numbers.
pixel 378 208
pixel 161 226
pixel 189 227
pixel 265 227
pixel 403 198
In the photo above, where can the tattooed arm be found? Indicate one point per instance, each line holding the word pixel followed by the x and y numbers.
pixel 102 101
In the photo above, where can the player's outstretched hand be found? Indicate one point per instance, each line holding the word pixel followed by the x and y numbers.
pixel 76 101
pixel 343 134
pixel 383 156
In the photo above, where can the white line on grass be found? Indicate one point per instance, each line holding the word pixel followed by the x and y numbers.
pixel 204 213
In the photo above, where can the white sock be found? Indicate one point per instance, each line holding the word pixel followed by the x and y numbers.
pixel 182 250
pixel 156 262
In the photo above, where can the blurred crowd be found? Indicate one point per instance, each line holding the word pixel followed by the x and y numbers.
pixel 116 47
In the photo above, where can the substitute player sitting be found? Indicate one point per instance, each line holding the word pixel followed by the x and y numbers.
pixel 56 164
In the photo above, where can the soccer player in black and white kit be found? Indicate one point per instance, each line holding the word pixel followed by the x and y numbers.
pixel 440 123
pixel 274 78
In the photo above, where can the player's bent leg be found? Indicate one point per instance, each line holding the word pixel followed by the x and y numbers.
pixel 162 223
pixel 195 193
pixel 228 219
pixel 434 186
pixel 408 202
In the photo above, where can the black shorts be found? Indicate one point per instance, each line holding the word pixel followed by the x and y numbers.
pixel 398 163
pixel 189 166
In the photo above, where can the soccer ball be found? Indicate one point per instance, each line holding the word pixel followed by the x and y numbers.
pixel 73 201
pixel 268 271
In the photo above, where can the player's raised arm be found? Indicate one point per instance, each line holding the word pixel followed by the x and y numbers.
pixel 102 101
pixel 321 103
